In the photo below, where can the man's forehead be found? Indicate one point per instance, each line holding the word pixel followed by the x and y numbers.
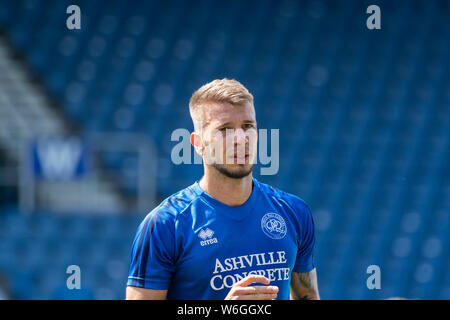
pixel 225 112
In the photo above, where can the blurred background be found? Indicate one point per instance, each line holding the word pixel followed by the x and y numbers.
pixel 86 118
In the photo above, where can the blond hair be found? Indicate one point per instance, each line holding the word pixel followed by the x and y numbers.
pixel 224 90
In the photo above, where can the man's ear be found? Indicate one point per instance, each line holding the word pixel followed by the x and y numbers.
pixel 196 142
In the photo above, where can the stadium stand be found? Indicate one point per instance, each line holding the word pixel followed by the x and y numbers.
pixel 364 119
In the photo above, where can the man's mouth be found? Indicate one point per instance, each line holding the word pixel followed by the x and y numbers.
pixel 241 158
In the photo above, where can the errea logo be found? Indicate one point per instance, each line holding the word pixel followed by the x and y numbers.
pixel 206 236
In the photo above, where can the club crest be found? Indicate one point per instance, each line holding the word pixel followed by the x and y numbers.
pixel 273 225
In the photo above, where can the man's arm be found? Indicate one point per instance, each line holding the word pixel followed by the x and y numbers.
pixel 135 293
pixel 151 264
pixel 304 286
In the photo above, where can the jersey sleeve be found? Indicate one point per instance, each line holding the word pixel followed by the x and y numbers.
pixel 152 253
pixel 304 261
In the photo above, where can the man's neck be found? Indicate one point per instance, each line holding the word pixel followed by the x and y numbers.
pixel 232 192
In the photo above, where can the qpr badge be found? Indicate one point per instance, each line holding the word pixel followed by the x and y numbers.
pixel 273 225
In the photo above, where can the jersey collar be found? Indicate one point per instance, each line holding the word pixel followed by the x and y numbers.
pixel 234 212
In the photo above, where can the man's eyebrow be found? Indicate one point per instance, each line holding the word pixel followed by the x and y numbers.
pixel 224 124
pixel 228 123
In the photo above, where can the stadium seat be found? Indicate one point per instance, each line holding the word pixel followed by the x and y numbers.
pixel 364 124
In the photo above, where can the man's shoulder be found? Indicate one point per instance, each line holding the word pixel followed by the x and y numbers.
pixel 284 197
pixel 174 205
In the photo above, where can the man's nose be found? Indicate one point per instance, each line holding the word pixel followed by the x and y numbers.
pixel 239 136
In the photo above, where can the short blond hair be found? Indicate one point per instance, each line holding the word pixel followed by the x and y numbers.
pixel 224 90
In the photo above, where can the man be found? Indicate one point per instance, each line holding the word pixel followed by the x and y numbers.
pixel 227 236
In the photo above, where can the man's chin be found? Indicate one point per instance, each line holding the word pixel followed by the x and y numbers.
pixel 238 172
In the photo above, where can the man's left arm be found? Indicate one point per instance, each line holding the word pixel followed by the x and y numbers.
pixel 304 285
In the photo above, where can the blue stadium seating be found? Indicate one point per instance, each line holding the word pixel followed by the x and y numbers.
pixel 364 120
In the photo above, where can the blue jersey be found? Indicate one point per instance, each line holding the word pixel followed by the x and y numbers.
pixel 197 247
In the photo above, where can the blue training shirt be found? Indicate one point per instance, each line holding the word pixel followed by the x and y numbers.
pixel 197 247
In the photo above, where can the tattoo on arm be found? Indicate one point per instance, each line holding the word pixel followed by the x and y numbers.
pixel 304 286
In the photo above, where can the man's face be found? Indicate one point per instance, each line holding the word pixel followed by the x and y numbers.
pixel 229 138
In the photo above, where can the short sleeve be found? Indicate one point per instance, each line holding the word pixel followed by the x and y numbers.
pixel 152 253
pixel 304 261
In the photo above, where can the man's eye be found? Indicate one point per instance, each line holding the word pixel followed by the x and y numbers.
pixel 248 126
pixel 224 130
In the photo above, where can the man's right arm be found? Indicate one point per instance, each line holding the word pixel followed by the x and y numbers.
pixel 135 293
pixel 152 257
